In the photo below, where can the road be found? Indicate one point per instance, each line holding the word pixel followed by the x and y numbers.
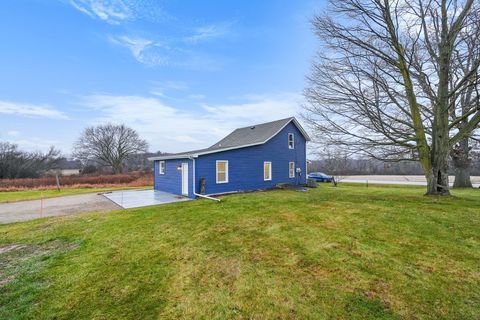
pixel 60 206
pixel 405 180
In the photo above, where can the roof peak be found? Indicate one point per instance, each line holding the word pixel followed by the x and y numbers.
pixel 242 137
pixel 259 124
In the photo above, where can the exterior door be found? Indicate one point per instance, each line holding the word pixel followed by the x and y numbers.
pixel 185 179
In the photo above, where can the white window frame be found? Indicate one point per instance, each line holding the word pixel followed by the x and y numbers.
pixel 160 171
pixel 291 169
pixel 292 146
pixel 269 171
pixel 226 171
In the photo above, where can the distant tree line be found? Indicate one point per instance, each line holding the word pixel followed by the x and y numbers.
pixel 339 164
pixel 101 149
pixel 16 163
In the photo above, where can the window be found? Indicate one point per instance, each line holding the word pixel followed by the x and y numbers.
pixel 291 169
pixel 161 167
pixel 291 141
pixel 267 171
pixel 222 171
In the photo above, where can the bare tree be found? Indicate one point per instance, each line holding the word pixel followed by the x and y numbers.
pixel 384 83
pixel 466 101
pixel 336 163
pixel 109 145
pixel 15 163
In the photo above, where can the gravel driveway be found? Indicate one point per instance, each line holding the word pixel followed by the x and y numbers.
pixel 60 206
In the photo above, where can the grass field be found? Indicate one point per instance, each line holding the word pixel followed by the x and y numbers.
pixel 348 252
pixel 14 196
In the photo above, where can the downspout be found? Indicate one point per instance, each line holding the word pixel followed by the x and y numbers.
pixel 194 185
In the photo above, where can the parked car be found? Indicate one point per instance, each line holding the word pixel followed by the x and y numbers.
pixel 320 177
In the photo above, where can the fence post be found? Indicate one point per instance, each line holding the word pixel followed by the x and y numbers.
pixel 41 204
pixel 58 181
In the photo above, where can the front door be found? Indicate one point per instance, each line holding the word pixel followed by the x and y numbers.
pixel 185 179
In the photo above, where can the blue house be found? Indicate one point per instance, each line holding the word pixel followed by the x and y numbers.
pixel 251 158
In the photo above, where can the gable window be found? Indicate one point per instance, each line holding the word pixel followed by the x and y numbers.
pixel 291 169
pixel 161 167
pixel 267 171
pixel 291 141
pixel 222 171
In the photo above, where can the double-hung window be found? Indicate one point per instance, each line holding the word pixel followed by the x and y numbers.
pixel 161 167
pixel 267 171
pixel 291 141
pixel 222 171
pixel 291 169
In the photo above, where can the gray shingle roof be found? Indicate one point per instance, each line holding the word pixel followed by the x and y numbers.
pixel 257 133
pixel 242 137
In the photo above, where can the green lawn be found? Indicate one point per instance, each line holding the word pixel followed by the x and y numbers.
pixel 349 252
pixel 13 196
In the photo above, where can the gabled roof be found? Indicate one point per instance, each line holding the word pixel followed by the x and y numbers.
pixel 240 138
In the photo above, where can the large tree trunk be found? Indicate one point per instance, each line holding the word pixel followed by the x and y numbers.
pixel 437 176
pixel 461 163
pixel 437 182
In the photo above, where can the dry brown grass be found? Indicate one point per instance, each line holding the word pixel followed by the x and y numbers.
pixel 134 179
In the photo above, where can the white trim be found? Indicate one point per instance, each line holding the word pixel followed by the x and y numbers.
pixel 306 164
pixel 291 171
pixel 290 134
pixel 185 184
pixel 186 156
pixel 196 154
pixel 160 171
pixel 226 171
pixel 269 171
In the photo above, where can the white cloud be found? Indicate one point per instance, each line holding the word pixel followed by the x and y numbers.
pixel 31 110
pixel 178 51
pixel 42 144
pixel 208 32
pixel 257 106
pixel 145 51
pixel 171 129
pixel 156 53
pixel 196 96
pixel 111 11
pixel 13 133
pixel 117 11
pixel 160 88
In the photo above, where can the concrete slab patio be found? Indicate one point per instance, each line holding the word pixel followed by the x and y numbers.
pixel 142 198
pixel 60 206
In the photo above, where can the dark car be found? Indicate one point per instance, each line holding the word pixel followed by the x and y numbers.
pixel 320 177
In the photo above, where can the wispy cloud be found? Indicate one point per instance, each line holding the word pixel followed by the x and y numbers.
pixel 117 11
pixel 31 110
pixel 111 11
pixel 160 88
pixel 35 144
pixel 178 51
pixel 157 53
pixel 171 129
pixel 208 32
pixel 143 50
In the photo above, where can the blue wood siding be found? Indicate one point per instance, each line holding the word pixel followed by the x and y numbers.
pixel 246 164
pixel 171 181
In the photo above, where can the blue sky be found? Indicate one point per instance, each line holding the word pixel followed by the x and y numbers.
pixel 183 73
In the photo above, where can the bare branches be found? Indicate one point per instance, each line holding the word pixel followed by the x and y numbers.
pixel 109 145
pixel 396 79
pixel 15 163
